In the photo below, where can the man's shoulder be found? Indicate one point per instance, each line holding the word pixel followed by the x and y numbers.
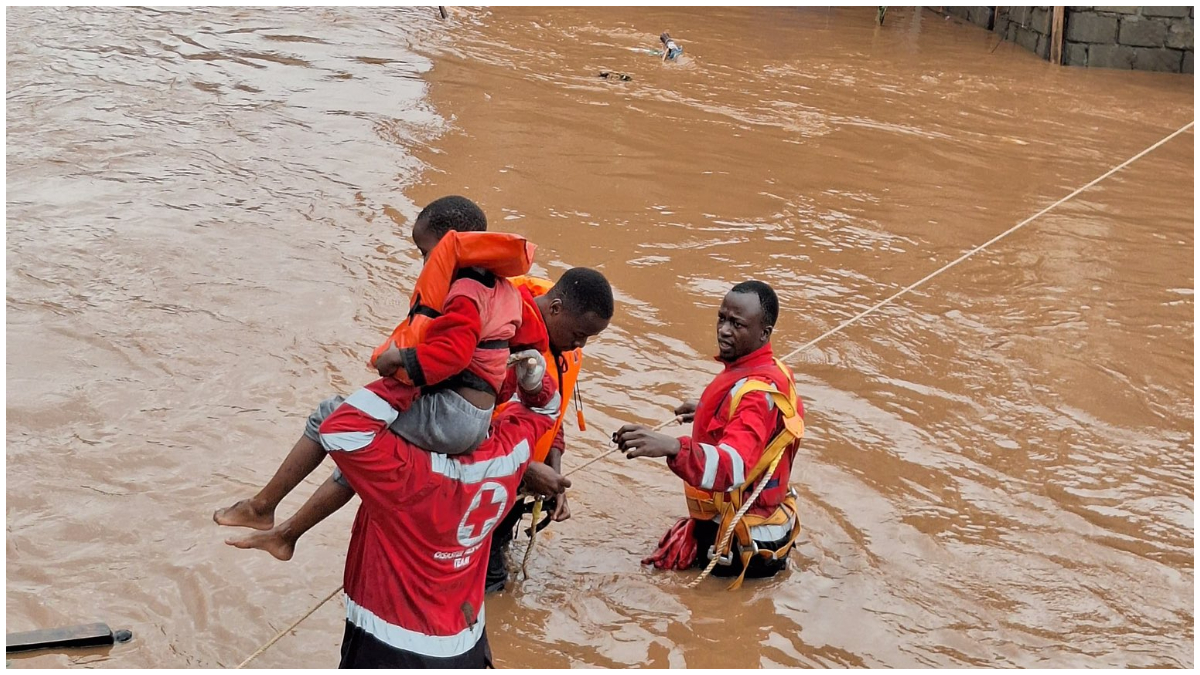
pixel 504 454
pixel 749 397
pixel 532 285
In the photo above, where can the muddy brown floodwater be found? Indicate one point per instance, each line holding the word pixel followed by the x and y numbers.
pixel 207 231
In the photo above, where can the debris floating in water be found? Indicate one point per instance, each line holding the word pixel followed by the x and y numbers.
pixel 87 635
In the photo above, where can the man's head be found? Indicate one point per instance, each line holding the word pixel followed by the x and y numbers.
pixel 578 307
pixel 745 320
pixel 442 215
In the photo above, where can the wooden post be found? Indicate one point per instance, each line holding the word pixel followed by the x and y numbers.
pixel 1056 35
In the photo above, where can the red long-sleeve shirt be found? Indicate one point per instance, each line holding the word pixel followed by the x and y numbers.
pixel 478 309
pixel 723 448
pixel 419 548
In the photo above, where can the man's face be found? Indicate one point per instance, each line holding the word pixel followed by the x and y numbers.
pixel 568 330
pixel 741 326
pixel 424 239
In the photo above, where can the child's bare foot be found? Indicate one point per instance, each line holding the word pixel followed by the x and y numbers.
pixel 270 541
pixel 244 514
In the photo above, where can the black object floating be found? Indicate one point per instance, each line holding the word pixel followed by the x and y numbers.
pixel 86 635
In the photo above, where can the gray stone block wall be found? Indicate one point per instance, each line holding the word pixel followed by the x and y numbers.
pixel 1138 38
pixel 1147 38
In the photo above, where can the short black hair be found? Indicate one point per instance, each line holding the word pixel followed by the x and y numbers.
pixel 766 298
pixel 453 213
pixel 584 290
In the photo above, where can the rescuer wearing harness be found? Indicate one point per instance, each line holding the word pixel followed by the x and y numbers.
pixel 746 429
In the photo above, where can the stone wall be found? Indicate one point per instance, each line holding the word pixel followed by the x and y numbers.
pixel 1138 38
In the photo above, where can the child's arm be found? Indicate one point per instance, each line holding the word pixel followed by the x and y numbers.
pixel 447 350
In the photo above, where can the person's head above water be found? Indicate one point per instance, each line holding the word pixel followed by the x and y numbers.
pixel 745 319
pixel 577 308
pixel 442 215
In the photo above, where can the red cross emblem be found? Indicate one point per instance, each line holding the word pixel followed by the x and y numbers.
pixel 483 514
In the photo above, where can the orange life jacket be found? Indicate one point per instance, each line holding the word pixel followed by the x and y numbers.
pixel 567 364
pixel 500 253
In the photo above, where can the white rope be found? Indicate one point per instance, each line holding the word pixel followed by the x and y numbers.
pixel 279 636
pixel 886 301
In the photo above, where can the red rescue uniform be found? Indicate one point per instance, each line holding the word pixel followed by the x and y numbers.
pixel 419 547
pixel 723 447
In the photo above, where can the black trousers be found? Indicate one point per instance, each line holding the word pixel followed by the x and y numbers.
pixel 360 649
pixel 760 568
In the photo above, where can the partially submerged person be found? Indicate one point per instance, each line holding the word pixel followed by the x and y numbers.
pixel 559 319
pixel 746 429
pixel 670 51
pixel 416 561
pixel 444 381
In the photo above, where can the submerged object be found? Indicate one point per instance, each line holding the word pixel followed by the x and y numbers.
pixel 85 635
pixel 672 50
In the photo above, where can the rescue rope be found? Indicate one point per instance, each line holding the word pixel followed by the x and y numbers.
pixel 606 453
pixel 537 506
pixel 537 513
pixel 845 324
pixel 285 631
pixel 737 518
pixel 858 317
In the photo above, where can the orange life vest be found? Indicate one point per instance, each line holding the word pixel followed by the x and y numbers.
pixel 500 253
pixel 568 365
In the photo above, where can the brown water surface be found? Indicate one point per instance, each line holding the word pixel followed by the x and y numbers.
pixel 207 231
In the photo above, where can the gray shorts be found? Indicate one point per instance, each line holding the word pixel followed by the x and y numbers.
pixel 439 421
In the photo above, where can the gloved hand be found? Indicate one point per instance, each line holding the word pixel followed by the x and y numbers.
pixel 531 368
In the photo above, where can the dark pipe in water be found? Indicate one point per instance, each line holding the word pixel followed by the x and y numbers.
pixel 85 635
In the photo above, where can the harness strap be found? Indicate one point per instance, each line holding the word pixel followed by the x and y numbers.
pixel 793 429
pixel 424 310
pixel 749 548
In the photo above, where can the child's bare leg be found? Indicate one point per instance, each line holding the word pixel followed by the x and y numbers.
pixel 281 541
pixel 258 512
